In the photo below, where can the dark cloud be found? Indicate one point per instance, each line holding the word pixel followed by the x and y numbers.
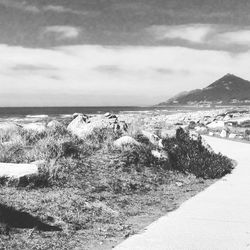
pixel 111 22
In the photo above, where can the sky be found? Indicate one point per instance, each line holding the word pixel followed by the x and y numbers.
pixel 118 52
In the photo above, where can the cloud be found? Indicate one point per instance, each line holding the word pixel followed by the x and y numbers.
pixel 32 68
pixel 195 33
pixel 206 36
pixel 108 69
pixel 240 37
pixel 21 5
pixel 63 32
pixel 62 9
pixel 110 75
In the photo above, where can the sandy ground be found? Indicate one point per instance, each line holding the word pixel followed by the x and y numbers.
pixel 217 218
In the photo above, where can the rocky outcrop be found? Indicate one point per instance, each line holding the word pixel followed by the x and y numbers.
pixel 223 133
pixel 232 136
pixel 154 139
pixel 159 154
pixel 125 141
pixel 83 127
pixel 54 124
pixel 17 170
pixel 80 128
pixel 216 125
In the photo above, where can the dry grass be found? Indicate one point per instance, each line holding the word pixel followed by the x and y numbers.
pixel 92 190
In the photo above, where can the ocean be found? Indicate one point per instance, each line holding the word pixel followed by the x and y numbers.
pixel 54 111
pixel 31 114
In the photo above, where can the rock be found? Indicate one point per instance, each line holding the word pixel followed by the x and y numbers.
pixel 160 144
pixel 37 127
pixel 179 184
pixel 156 154
pixel 54 124
pixel 193 135
pixel 80 128
pixel 201 129
pixel 77 114
pixel 154 139
pixel 17 170
pixel 112 117
pixel 227 117
pixel 159 155
pixel 223 133
pixel 232 136
pixel 125 141
pixel 211 133
pixel 216 125
pixel 107 114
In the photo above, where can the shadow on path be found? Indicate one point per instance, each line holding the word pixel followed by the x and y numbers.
pixel 12 218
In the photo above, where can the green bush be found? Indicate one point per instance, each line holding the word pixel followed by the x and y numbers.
pixel 31 136
pixel 190 156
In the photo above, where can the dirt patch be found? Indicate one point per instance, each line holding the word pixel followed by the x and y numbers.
pixel 92 221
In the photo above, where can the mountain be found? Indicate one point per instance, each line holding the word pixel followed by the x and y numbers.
pixel 228 89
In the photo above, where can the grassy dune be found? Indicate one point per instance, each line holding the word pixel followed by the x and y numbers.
pixel 96 193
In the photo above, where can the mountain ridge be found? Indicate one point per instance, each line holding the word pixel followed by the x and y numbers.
pixel 228 89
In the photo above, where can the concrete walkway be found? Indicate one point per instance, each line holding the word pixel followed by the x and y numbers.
pixel 217 218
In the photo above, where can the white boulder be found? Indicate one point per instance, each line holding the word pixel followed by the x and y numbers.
pixel 201 129
pixel 77 114
pixel 223 133
pixel 159 155
pixel 17 170
pixel 156 154
pixel 80 128
pixel 125 141
pixel 154 139
pixel 232 136
pixel 54 124
pixel 193 135
pixel 216 124
pixel 107 114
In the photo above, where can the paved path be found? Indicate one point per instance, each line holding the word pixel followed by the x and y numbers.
pixel 217 218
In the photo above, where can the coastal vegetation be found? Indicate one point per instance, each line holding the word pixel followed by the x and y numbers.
pixel 98 193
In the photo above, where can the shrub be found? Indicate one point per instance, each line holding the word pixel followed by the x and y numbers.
pixel 9 134
pixel 31 136
pixel 190 156
pixel 13 152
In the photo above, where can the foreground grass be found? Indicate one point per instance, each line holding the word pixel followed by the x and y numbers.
pixel 93 220
pixel 99 194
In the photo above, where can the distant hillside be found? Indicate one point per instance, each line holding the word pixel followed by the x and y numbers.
pixel 228 89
